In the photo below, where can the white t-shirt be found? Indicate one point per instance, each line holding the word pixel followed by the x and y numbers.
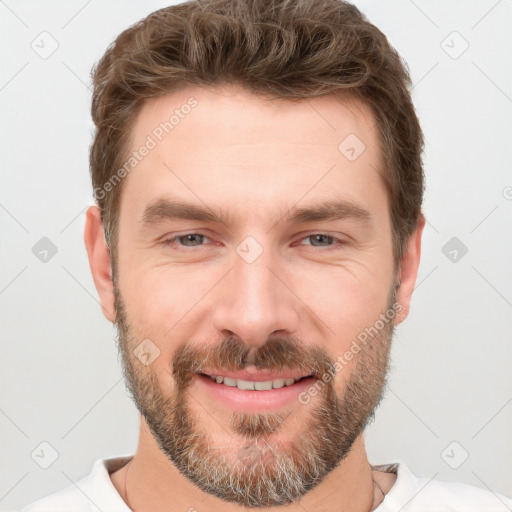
pixel 408 494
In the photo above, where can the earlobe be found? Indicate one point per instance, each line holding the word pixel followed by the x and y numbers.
pixel 99 260
pixel 408 271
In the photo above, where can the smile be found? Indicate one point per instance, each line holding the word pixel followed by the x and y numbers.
pixel 267 393
pixel 251 385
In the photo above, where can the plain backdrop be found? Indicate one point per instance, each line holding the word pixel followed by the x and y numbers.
pixel 448 409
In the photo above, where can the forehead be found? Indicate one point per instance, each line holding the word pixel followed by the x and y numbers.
pixel 233 115
pixel 226 145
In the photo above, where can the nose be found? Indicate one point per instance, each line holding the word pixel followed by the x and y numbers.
pixel 254 302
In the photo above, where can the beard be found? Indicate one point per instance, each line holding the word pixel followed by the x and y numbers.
pixel 256 470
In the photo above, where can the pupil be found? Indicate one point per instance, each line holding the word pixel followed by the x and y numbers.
pixel 192 238
pixel 324 237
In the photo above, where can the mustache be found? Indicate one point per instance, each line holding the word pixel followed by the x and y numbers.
pixel 232 354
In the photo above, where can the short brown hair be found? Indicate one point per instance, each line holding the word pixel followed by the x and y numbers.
pixel 279 49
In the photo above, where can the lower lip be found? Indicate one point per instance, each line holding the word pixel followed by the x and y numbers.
pixel 253 401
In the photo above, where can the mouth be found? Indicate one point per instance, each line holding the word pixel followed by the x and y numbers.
pixel 256 383
pixel 254 391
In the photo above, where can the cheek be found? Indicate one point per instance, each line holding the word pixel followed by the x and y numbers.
pixel 162 301
pixel 346 300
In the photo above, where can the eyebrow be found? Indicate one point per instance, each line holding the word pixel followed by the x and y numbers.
pixel 165 209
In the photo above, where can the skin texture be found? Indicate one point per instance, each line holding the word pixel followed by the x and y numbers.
pixel 253 160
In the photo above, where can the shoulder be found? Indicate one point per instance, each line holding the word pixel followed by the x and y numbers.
pixel 458 496
pixel 59 502
pixel 93 492
pixel 418 494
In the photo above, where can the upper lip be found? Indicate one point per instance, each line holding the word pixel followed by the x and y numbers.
pixel 257 376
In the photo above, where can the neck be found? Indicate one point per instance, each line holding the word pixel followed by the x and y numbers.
pixel 149 483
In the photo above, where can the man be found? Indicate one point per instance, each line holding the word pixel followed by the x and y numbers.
pixel 257 168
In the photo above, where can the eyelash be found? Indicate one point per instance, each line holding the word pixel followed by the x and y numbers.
pixel 169 242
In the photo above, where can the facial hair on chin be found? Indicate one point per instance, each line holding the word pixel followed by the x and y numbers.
pixel 258 472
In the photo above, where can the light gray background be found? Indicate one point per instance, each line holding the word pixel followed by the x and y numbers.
pixel 59 376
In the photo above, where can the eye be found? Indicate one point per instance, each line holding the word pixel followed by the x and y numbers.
pixel 323 240
pixel 188 239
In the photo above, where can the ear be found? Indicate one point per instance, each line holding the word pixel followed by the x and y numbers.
pixel 408 271
pixel 99 261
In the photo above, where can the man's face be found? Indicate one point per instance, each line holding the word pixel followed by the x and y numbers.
pixel 255 288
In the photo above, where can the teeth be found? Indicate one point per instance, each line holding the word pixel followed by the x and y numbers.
pixel 263 386
pixel 245 384
pixel 252 385
pixel 279 383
